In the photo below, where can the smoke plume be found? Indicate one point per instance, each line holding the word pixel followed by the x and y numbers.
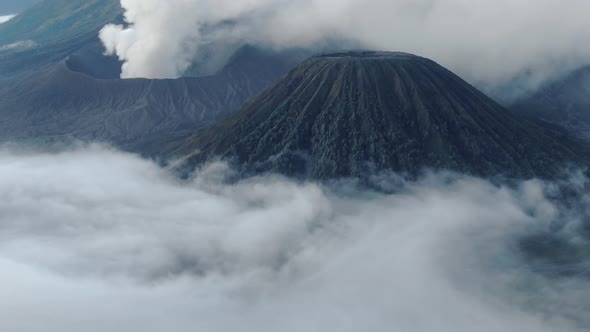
pixel 97 240
pixel 490 43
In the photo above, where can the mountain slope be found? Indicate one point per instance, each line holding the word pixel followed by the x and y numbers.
pixel 565 103
pixel 54 20
pixel 56 84
pixel 347 114
pixel 136 114
pixel 51 30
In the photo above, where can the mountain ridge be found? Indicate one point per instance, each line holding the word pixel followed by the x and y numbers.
pixel 134 114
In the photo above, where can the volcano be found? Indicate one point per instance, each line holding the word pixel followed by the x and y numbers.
pixel 355 113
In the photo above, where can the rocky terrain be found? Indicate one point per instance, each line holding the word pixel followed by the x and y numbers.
pixel 354 113
pixel 52 30
pixel 136 114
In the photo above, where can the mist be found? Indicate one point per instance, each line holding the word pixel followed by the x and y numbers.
pixel 93 239
pixel 493 44
pixel 6 18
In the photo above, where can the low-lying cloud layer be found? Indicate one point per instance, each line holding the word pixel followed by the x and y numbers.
pixel 92 239
pixel 487 42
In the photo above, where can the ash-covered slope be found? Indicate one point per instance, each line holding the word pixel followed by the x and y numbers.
pixel 52 30
pixel 135 114
pixel 565 102
pixel 349 114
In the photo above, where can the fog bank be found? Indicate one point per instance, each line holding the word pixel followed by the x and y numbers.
pixel 92 239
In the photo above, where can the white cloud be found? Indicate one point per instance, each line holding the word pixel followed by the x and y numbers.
pixel 6 18
pixel 487 42
pixel 93 239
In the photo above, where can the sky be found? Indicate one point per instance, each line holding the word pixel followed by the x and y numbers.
pixel 489 43
pixel 93 239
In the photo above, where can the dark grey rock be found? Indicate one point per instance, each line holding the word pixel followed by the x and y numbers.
pixel 349 113
pixel 59 104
